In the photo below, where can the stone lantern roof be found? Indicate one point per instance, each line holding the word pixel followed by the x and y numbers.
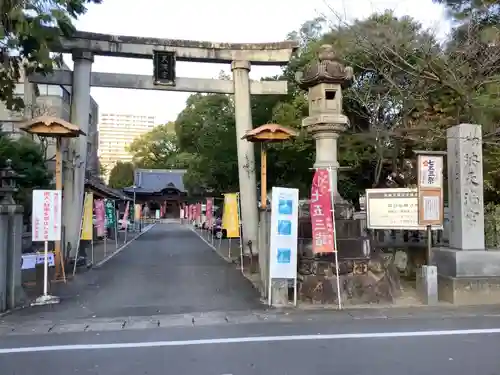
pixel 327 69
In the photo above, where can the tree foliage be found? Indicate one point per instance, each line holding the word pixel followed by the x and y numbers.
pixel 27 159
pixel 156 149
pixel 28 30
pixel 207 138
pixel 121 175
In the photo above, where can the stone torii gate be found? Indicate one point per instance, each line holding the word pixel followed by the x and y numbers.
pixel 164 53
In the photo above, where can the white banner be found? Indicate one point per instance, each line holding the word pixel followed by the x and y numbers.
pixel 430 171
pixel 284 233
pixel 46 215
pixel 392 208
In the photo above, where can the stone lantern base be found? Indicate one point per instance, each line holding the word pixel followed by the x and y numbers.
pixel 366 276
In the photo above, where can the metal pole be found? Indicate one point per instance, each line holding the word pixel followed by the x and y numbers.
pixel 240 230
pixel 429 244
pixel 46 268
pixel 79 240
pixel 295 291
pixel 92 248
pixel 116 223
pixel 134 211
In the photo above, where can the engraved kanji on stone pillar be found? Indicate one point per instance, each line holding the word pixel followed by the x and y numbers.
pixel 465 184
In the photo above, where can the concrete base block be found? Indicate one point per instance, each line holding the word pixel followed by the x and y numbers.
pixel 469 290
pixel 427 285
pixel 468 277
pixel 466 263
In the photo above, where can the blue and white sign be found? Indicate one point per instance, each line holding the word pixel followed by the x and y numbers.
pixel 284 233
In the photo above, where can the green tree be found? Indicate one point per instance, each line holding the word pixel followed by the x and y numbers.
pixel 27 159
pixel 486 11
pixel 121 175
pixel 157 149
pixel 29 29
pixel 207 141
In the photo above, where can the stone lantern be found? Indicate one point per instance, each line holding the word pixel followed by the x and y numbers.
pixel 8 185
pixel 324 79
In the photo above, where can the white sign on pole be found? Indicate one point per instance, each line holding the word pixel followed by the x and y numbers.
pixel 430 171
pixel 46 215
pixel 394 208
pixel 284 234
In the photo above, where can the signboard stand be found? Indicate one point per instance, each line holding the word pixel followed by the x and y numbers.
pixel 231 222
pixel 430 193
pixel 332 197
pixel 46 214
pixel 283 242
pixel 393 209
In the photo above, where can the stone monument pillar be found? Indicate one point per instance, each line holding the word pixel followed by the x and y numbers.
pixel 467 272
pixel 324 81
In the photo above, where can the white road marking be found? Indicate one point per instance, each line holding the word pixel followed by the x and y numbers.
pixel 123 246
pixel 242 340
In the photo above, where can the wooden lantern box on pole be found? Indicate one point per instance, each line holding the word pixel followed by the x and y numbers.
pixel 268 133
pixel 45 127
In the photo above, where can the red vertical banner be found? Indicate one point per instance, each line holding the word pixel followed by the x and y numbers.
pixel 198 212
pixel 321 213
pixel 210 208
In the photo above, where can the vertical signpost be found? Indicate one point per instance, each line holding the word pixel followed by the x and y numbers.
pixel 430 193
pixel 231 221
pixel 46 216
pixel 111 218
pixel 284 234
pixel 322 215
pixel 209 216
pixel 125 220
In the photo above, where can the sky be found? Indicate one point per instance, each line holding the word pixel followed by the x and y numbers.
pixel 219 21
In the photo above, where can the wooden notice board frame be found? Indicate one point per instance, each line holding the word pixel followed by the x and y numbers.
pixel 432 194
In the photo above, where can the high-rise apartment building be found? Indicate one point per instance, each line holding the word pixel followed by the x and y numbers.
pixel 54 101
pixel 116 132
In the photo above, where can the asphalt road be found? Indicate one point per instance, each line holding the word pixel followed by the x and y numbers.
pixel 168 304
pixel 168 270
pixel 459 346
